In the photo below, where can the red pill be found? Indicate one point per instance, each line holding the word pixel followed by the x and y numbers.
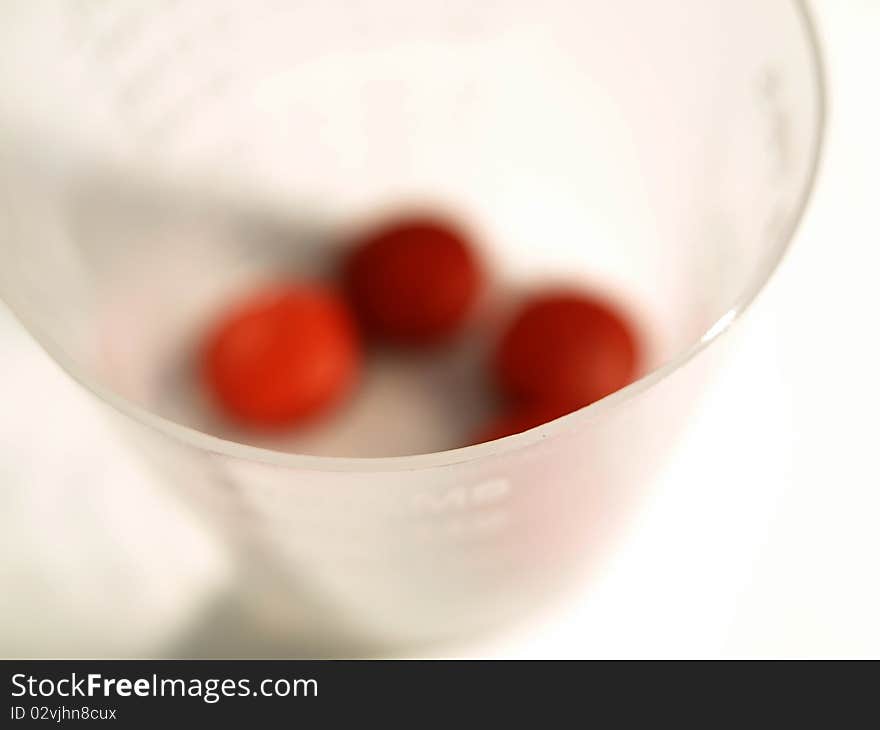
pixel 565 347
pixel 282 356
pixel 519 419
pixel 413 281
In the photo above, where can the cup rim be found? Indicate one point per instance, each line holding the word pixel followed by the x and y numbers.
pixel 479 452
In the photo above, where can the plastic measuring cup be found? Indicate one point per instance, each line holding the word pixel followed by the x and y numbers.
pixel 664 152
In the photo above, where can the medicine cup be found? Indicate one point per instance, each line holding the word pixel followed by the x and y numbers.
pixel 157 157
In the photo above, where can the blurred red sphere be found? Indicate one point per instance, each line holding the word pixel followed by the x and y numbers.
pixel 413 281
pixel 282 356
pixel 567 348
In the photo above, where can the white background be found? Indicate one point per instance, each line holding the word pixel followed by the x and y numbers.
pixel 761 539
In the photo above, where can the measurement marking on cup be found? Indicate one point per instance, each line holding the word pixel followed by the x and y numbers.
pixel 461 497
pixel 462 527
pixel 770 88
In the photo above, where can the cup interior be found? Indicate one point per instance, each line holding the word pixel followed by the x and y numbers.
pixel 657 155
